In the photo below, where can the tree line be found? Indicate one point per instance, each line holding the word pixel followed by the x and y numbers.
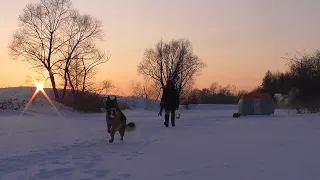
pixel 300 82
pixel 215 94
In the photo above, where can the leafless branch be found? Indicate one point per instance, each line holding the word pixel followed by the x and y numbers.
pixel 172 60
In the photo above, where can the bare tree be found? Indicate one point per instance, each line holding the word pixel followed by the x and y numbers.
pixel 228 90
pixel 214 88
pixel 173 60
pixel 38 37
pixel 147 90
pixel 242 92
pixel 52 36
pixel 137 89
pixel 82 69
pixel 80 54
pixel 103 87
pixel 106 86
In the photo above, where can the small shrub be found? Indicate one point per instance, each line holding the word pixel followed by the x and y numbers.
pixel 12 104
pixel 86 102
pixel 302 105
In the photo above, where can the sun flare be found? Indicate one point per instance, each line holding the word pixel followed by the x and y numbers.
pixel 39 86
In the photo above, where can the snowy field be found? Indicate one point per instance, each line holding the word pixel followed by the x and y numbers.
pixel 206 144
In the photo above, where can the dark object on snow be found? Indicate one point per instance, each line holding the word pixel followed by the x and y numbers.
pixel 236 115
pixel 131 125
pixel 170 102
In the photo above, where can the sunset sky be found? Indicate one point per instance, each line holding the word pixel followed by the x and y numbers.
pixel 239 40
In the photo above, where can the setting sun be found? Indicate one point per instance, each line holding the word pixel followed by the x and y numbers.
pixel 39 86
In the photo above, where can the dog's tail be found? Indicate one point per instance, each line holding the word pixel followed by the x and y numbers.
pixel 131 126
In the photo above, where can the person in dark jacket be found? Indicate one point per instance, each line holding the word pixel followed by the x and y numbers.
pixel 170 102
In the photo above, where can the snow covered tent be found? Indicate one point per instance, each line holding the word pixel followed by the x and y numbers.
pixel 256 104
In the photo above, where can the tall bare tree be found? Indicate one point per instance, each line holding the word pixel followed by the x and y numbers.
pixel 38 38
pixel 52 35
pixel 173 60
pixel 80 54
pixel 81 69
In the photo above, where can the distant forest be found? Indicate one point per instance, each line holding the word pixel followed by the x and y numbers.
pixel 215 94
pixel 300 83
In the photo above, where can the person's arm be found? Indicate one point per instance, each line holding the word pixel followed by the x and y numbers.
pixel 164 94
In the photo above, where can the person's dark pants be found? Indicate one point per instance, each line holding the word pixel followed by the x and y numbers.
pixel 173 117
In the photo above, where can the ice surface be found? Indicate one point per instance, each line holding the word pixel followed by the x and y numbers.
pixel 206 144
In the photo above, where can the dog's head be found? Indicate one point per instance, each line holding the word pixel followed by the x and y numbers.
pixel 112 106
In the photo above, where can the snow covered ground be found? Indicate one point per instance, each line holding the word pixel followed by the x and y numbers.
pixel 206 144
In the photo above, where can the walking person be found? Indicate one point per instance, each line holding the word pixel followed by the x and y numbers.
pixel 170 102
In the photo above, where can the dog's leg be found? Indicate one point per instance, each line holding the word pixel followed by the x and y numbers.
pixel 109 128
pixel 108 125
pixel 121 132
pixel 113 131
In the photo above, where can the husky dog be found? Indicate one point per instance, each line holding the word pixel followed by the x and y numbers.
pixel 116 120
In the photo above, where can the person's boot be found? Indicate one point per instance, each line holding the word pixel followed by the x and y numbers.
pixel 173 120
pixel 166 120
